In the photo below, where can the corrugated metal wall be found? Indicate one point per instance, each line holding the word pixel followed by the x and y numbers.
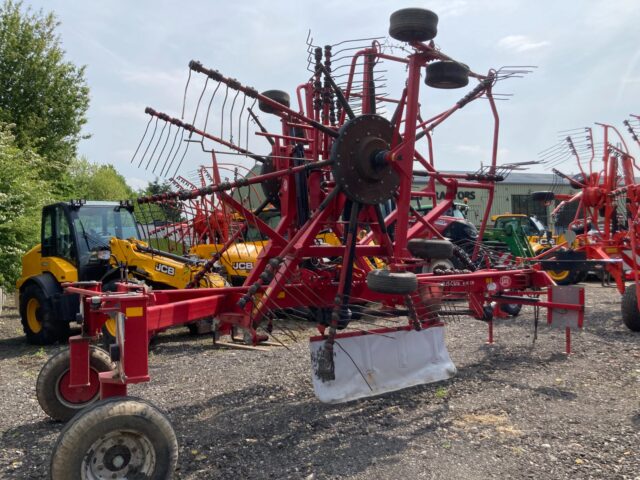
pixel 503 200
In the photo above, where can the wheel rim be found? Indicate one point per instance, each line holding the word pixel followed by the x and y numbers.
pixel 77 397
pixel 110 327
pixel 33 306
pixel 119 454
pixel 558 275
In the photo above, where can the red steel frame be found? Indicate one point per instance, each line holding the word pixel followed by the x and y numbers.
pixel 141 312
pixel 597 206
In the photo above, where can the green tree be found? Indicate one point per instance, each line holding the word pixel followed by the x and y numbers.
pixel 168 211
pixel 96 182
pixel 44 95
pixel 22 195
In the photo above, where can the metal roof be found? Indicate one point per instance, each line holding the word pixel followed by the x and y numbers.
pixel 519 178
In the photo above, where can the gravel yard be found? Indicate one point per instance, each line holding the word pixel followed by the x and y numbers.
pixel 514 410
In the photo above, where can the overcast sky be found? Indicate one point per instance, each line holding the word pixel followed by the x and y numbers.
pixel 136 53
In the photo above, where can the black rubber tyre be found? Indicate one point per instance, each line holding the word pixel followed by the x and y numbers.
pixel 564 277
pixel 50 386
pixel 270 188
pixel 512 309
pixel 120 437
pixel 461 260
pixel 276 95
pixel 439 264
pixel 447 74
pixel 384 281
pixel 577 181
pixel 629 306
pixel 430 249
pixel 39 322
pixel 413 25
pixel 543 196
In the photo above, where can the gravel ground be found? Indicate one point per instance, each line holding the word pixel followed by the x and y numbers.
pixel 514 410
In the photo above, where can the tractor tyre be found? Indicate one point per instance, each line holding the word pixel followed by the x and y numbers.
pixel 544 196
pixel 38 318
pixel 120 437
pixel 385 281
pixel 447 74
pixel 56 398
pixel 430 249
pixel 413 25
pixel 277 96
pixel 629 306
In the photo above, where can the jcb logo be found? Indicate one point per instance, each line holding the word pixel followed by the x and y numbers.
pixel 165 269
pixel 242 265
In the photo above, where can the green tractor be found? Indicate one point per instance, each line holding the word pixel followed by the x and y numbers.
pixel 510 236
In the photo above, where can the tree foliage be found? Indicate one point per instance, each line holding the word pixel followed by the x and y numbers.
pixel 97 182
pixel 22 194
pixel 44 95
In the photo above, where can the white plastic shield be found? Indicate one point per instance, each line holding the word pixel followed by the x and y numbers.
pixel 375 363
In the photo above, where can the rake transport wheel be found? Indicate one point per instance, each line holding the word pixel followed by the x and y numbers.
pixel 385 281
pixel 543 196
pixel 117 438
pixel 629 306
pixel 447 74
pixel 277 96
pixel 413 25
pixel 512 309
pixel 430 249
pixel 56 398
pixel 38 319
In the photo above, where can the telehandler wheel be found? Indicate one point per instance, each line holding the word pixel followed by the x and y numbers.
pixel 109 327
pixel 119 438
pixel 56 398
pixel 38 318
pixel 564 277
pixel 430 249
pixel 629 306
pixel 413 25
pixel 384 281
pixel 277 96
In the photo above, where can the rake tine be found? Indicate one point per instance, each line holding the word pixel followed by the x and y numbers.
pixel 142 139
pixel 156 147
pixel 155 127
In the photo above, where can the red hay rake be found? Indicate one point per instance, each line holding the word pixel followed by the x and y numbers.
pixel 335 165
pixel 604 234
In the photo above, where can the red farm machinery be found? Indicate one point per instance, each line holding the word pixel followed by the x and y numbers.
pixel 337 164
pixel 604 233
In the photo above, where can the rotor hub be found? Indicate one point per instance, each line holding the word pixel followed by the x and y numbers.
pixel 359 165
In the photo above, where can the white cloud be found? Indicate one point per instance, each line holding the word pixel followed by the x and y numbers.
pixel 521 43
pixel 480 151
pixel 129 110
pixel 170 80
pixel 137 183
